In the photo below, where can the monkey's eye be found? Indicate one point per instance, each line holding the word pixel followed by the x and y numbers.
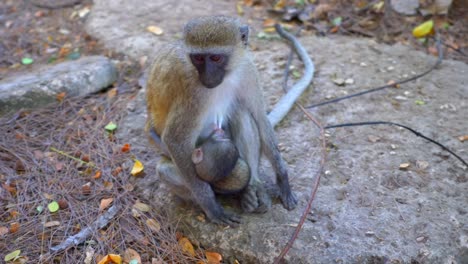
pixel 215 58
pixel 198 58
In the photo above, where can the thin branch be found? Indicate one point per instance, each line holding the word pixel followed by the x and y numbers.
pixel 438 62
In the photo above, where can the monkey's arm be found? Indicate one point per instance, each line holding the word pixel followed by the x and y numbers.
pixel 157 140
pixel 180 142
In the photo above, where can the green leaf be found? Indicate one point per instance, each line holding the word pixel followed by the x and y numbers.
pixel 337 21
pixel 296 74
pixel 12 255
pixel 300 2
pixel 420 102
pixel 111 126
pixel 26 61
pixel 52 59
pixel 133 261
pixel 40 208
pixel 74 55
pixel 53 207
pixel 445 25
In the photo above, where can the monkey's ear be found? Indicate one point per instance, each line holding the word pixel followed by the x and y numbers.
pixel 244 30
pixel 197 156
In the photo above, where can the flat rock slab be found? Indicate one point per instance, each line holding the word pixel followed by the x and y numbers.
pixel 133 17
pixel 367 209
pixel 39 87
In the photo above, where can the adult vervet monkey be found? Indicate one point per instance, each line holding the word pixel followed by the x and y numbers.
pixel 209 78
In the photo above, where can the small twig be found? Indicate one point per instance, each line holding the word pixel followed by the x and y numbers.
pixel 318 174
pixel 402 126
pixel 73 158
pixel 57 5
pixel 79 238
pixel 438 62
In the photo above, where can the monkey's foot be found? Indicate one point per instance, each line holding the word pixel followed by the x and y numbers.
pixel 227 218
pixel 255 199
pixel 289 200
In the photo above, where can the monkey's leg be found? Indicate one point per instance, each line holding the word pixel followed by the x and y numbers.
pixel 272 153
pixel 170 176
pixel 247 139
pixel 169 173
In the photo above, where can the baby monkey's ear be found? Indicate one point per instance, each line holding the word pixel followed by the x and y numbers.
pixel 197 156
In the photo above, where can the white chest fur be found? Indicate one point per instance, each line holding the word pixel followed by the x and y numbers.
pixel 221 101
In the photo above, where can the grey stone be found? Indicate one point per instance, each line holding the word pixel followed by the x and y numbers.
pixel 76 78
pixel 131 37
pixel 357 215
pixel 405 7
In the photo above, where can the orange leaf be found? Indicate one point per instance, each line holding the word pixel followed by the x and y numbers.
pixel 117 171
pixel 60 96
pixel 14 227
pixel 126 148
pixel 105 203
pixel 111 259
pixel 269 22
pixel 334 29
pixel 186 246
pixel 97 175
pixel 9 188
pixel 213 257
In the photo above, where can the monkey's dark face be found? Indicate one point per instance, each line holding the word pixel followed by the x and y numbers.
pixel 211 68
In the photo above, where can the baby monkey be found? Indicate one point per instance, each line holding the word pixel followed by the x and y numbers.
pixel 217 161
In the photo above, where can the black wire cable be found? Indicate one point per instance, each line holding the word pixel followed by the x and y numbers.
pixel 403 126
pixel 438 62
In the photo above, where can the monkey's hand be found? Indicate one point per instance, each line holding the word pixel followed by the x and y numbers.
pixel 255 199
pixel 288 198
pixel 215 212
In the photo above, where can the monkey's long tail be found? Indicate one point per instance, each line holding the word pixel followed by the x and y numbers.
pixel 285 104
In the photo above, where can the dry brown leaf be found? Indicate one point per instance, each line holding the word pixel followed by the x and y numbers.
pixel 105 203
pixel 3 230
pixel 404 166
pixel 86 188
pixel 52 223
pixel 97 175
pixel 463 138
pixel 155 226
pixel 112 93
pixel 155 30
pixel 108 185
pixel 213 257
pixel 14 227
pixel 131 254
pixel 248 2
pixel 269 22
pixel 280 4
pixel 239 8
pixel 9 188
pixel 142 207
pixel 125 148
pixel 117 171
pixel 63 204
pixel 187 246
pixel 60 96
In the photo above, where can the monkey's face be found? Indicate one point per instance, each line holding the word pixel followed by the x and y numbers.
pixel 211 67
